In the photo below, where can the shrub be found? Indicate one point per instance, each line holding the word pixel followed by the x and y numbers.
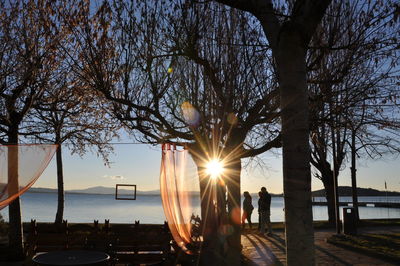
pixel 3 227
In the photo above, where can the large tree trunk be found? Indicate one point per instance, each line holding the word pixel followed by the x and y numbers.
pixel 220 215
pixel 60 187
pixel 15 234
pixel 211 249
pixel 296 151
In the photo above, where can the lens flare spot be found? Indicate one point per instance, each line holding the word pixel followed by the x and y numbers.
pixel 235 215
pixel 232 119
pixel 215 168
pixel 190 114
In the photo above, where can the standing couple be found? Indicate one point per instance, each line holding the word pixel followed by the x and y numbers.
pixel 264 210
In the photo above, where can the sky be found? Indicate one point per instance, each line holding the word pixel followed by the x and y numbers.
pixel 139 164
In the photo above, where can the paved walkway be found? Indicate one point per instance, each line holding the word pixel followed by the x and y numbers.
pixel 260 250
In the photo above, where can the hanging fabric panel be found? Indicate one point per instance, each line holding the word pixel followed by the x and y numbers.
pixel 20 166
pixel 179 188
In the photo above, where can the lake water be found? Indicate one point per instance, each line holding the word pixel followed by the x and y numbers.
pixel 148 209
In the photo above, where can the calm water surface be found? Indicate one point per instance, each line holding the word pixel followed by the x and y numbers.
pixel 148 209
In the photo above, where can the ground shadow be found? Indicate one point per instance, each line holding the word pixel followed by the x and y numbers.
pixel 263 251
pixel 317 247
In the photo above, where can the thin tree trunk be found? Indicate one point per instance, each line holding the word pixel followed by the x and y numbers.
pixel 353 175
pixel 296 151
pixel 15 234
pixel 60 186
pixel 335 175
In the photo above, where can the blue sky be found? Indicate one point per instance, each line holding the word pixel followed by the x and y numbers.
pixel 140 164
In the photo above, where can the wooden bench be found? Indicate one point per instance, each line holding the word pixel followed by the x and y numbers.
pixel 125 243
pixel 43 237
pixel 87 236
pixel 141 244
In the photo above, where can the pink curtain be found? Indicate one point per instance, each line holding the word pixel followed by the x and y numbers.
pixel 20 166
pixel 179 187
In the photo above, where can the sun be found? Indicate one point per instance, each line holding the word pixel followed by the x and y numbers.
pixel 214 168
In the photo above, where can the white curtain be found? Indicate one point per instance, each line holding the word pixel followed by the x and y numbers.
pixel 179 185
pixel 20 166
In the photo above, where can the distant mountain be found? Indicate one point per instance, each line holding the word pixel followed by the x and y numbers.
pixel 95 190
pixel 255 195
pixel 345 191
pixel 42 190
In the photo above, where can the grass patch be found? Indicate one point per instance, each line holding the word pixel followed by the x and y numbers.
pixel 384 246
pixel 3 232
pixel 379 222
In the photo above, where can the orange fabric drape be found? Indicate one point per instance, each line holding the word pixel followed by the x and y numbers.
pixel 20 166
pixel 179 185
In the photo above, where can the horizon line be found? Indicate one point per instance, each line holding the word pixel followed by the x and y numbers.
pixel 157 189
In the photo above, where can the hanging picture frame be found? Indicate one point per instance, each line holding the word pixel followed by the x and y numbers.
pixel 119 195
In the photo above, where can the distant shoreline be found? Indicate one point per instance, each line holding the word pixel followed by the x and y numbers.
pixel 344 191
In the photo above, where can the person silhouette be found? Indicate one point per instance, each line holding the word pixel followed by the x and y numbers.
pixel 265 211
pixel 247 209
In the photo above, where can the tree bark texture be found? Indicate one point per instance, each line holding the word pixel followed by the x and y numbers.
pixel 15 235
pixel 60 187
pixel 290 57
